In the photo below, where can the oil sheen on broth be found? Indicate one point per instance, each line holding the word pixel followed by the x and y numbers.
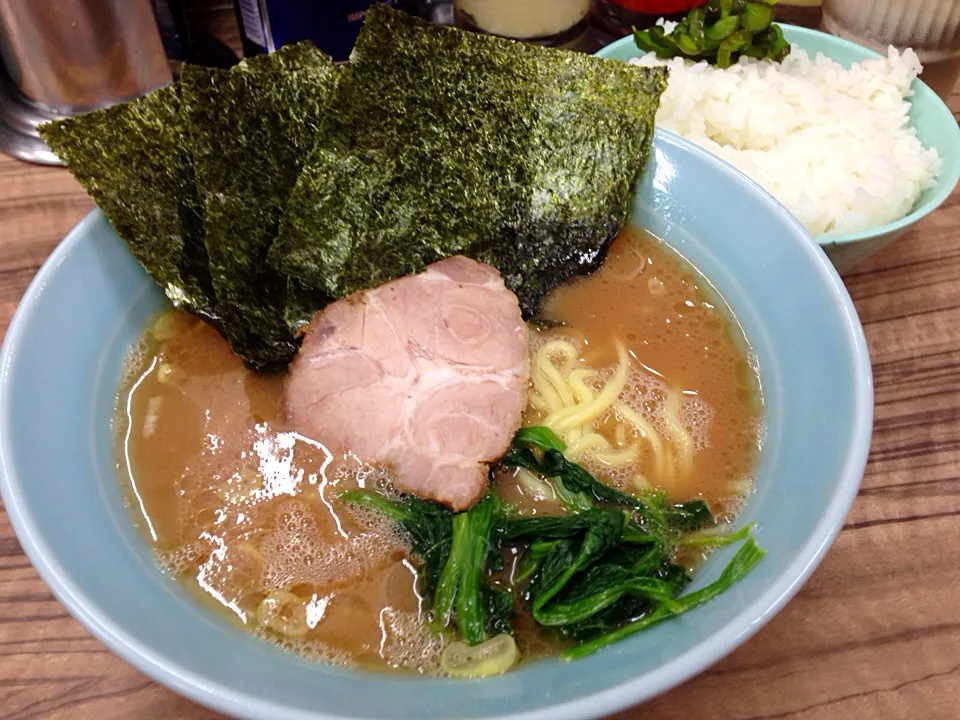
pixel 242 509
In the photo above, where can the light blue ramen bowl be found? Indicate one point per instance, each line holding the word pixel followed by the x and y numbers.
pixel 59 370
pixel 930 118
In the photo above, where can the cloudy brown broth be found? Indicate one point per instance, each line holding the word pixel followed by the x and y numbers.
pixel 238 506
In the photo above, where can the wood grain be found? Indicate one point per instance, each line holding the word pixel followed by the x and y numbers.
pixel 874 634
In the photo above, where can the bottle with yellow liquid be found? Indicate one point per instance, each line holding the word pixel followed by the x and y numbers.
pixel 546 22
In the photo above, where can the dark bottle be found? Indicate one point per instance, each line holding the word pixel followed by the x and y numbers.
pixel 184 41
pixel 799 12
pixel 174 29
pixel 332 25
pixel 618 17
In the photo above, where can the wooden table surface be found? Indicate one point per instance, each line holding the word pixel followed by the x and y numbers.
pixel 875 633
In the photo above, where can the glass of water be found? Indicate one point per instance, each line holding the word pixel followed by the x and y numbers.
pixel 930 27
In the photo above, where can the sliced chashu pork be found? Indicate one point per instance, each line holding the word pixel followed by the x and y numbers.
pixel 427 374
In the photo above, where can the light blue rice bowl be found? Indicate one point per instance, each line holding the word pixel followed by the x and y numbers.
pixel 929 117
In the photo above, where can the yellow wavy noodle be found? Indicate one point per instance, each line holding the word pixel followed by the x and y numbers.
pixel 586 443
pixel 576 380
pixel 661 466
pixel 573 406
pixel 550 390
pixel 579 415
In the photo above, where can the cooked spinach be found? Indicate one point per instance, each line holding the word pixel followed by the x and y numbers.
pixel 595 575
pixel 531 560
pixel 456 551
pixel 428 525
pixel 497 609
pixel 538 436
pixel 743 561
pixel 575 479
pixel 459 592
pixel 601 535
pixel 555 528
pixel 579 490
pixel 601 587
pixel 689 516
pixel 713 540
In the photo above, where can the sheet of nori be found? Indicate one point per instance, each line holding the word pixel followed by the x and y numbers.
pixel 133 161
pixel 443 142
pixel 251 129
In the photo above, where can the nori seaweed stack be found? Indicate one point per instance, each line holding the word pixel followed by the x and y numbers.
pixel 251 129
pixel 443 142
pixel 134 162
pixel 432 142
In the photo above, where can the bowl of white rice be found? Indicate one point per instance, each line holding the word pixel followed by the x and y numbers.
pixel 850 142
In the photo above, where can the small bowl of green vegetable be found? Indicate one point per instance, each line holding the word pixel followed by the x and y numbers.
pixel 751 33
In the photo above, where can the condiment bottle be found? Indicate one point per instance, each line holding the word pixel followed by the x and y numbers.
pixel 546 22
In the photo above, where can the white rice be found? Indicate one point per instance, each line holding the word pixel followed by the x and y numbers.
pixel 833 145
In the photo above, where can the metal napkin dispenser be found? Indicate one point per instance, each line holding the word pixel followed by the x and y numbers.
pixel 64 57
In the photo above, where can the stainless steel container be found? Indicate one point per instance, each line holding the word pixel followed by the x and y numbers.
pixel 63 57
